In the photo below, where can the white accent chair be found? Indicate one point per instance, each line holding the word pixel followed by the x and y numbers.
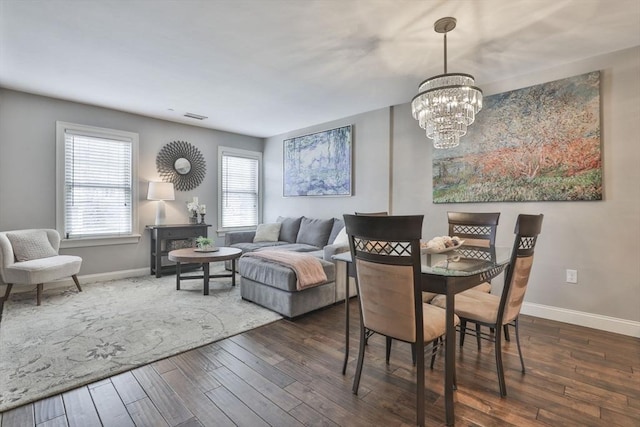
pixel 30 257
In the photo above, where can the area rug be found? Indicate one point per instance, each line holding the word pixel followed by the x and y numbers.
pixel 75 338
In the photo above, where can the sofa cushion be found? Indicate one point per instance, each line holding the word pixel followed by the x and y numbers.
pixel 31 244
pixel 314 232
pixel 294 247
pixel 338 224
pixel 250 247
pixel 289 228
pixel 276 275
pixel 267 232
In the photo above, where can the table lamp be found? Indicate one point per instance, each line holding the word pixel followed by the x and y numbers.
pixel 160 191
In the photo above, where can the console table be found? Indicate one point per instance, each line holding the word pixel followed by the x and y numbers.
pixel 165 238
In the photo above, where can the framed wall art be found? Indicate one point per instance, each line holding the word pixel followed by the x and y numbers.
pixel 540 143
pixel 318 164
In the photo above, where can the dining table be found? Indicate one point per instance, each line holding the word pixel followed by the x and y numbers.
pixel 447 273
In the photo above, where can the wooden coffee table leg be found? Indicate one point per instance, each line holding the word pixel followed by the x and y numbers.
pixel 177 276
pixel 205 268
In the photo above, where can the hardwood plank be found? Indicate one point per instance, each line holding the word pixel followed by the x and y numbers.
pixel 60 421
pixel 207 413
pixel 256 348
pixel 110 408
pixel 259 404
pixel 310 417
pixel 128 387
pixel 619 418
pixel 234 408
pixel 22 416
pixel 195 366
pixel 145 414
pixel 164 365
pixel 79 408
pixel 270 390
pixel 48 409
pixel 162 396
pixel 99 383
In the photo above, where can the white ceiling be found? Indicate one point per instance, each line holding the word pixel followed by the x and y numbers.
pixel 265 67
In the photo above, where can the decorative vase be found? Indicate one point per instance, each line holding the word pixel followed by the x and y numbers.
pixel 193 219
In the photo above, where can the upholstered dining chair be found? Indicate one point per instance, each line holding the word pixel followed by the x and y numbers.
pixel 30 257
pixel 372 213
pixel 386 255
pixel 496 311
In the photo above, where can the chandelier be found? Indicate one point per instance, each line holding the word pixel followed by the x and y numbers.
pixel 447 103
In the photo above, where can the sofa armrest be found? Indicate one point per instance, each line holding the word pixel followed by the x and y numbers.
pixel 331 250
pixel 232 237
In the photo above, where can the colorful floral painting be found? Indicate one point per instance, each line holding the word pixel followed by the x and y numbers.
pixel 537 143
pixel 318 164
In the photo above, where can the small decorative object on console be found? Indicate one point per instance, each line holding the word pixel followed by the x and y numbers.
pixel 205 244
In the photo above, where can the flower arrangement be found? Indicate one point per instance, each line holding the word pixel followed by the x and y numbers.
pixel 194 208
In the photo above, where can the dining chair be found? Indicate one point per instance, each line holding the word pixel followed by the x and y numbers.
pixel 500 311
pixel 372 213
pixel 386 255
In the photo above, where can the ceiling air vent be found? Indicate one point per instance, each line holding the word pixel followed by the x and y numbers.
pixel 195 116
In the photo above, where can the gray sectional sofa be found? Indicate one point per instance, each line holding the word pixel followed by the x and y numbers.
pixel 273 285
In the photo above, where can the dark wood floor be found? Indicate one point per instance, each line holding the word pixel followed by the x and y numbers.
pixel 288 373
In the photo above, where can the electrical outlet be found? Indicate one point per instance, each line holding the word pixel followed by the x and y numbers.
pixel 572 276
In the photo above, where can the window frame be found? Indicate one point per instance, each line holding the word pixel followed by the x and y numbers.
pixel 93 131
pixel 237 152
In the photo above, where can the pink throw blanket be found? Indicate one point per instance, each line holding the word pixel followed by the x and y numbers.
pixel 308 269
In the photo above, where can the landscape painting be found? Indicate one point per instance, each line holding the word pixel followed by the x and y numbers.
pixel 533 144
pixel 318 164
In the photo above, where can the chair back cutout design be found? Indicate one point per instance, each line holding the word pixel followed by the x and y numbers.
pixel 475 228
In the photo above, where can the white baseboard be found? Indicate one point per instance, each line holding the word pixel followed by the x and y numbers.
pixel 589 320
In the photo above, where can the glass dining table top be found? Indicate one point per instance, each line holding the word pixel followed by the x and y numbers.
pixel 461 262
pixel 465 261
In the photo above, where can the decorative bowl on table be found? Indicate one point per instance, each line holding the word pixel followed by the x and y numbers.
pixel 441 244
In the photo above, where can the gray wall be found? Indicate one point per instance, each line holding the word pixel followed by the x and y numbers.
pixel 599 239
pixel 27 169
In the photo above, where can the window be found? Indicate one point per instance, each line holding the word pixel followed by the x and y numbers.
pixel 239 195
pixel 96 192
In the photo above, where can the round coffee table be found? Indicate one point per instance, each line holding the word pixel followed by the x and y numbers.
pixel 192 255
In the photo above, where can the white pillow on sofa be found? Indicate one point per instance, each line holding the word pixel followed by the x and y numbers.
pixel 267 232
pixel 342 238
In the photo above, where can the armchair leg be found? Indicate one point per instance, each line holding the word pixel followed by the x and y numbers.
pixel 75 279
pixel 38 293
pixel 7 291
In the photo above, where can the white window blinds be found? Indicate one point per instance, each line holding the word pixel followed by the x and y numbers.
pixel 239 190
pixel 97 185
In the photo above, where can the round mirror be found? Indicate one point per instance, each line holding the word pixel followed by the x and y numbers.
pixel 182 166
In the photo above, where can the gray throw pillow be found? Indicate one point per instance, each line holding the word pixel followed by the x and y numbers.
pixel 289 228
pixel 314 232
pixel 267 232
pixel 32 244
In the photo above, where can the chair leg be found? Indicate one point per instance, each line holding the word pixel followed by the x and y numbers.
pixel 389 340
pixel 420 385
pixel 75 279
pixel 356 378
pixel 478 340
pixel 7 291
pixel 38 293
pixel 518 343
pixel 500 368
pixel 463 331
pixel 413 354
pixel 434 350
pixel 506 333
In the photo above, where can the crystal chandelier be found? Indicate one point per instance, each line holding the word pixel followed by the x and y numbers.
pixel 447 103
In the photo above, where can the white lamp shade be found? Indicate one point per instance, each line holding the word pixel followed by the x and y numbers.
pixel 160 191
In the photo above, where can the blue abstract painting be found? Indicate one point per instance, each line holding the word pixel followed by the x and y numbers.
pixel 318 164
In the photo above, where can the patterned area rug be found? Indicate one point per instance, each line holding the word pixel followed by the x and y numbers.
pixel 75 338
